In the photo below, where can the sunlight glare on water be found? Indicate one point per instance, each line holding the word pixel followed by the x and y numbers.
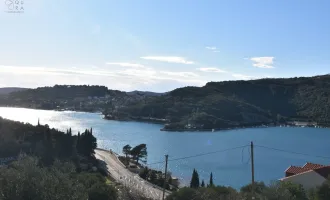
pixel 55 119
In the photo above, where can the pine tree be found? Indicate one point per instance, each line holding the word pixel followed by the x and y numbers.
pixel 127 150
pixel 202 184
pixel 211 180
pixel 140 153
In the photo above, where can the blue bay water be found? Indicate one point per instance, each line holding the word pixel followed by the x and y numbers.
pixel 230 168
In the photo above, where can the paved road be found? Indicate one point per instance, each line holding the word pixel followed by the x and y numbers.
pixel 127 178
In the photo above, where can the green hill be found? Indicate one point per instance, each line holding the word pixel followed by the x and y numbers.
pixel 238 103
pixel 217 105
pixel 71 97
pixel 7 90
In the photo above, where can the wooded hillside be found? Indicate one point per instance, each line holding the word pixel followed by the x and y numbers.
pixel 239 103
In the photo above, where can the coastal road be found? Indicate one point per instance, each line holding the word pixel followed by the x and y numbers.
pixel 133 181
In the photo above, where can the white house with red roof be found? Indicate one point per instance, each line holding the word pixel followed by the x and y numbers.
pixel 309 176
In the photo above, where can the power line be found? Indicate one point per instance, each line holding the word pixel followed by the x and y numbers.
pixel 261 146
pixel 292 152
pixel 155 163
pixel 249 157
pixel 198 155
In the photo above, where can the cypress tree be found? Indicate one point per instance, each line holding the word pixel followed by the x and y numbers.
pixel 197 180
pixel 78 144
pixel 203 184
pixel 211 180
pixel 78 138
pixel 194 183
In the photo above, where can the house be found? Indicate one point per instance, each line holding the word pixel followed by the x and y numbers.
pixel 309 176
pixel 303 124
pixel 175 181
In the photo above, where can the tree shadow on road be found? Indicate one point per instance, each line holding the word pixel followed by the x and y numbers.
pixel 103 168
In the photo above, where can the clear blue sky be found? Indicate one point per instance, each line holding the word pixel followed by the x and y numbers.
pixel 160 45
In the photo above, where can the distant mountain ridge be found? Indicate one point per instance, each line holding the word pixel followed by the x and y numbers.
pixel 145 93
pixel 8 90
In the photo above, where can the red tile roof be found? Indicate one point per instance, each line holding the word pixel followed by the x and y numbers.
pixel 310 166
pixel 320 169
pixel 295 170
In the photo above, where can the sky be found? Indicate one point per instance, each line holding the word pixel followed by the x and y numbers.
pixel 159 45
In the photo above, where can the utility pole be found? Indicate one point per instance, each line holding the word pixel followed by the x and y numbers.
pixel 164 187
pixel 252 168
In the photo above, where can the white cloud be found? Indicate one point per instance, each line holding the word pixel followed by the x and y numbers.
pixel 127 78
pixel 243 77
pixel 143 73
pixel 28 76
pixel 211 69
pixel 211 48
pixel 263 62
pixel 124 64
pixel 169 59
pixel 182 74
pixel 130 78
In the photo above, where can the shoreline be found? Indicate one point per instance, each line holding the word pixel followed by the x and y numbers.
pixel 237 128
pixel 153 121
pixel 163 121
pixel 215 129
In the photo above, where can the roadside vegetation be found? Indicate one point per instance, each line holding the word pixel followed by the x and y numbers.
pixel 42 163
pixel 135 154
pixel 274 191
pixel 131 159
pixel 27 178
